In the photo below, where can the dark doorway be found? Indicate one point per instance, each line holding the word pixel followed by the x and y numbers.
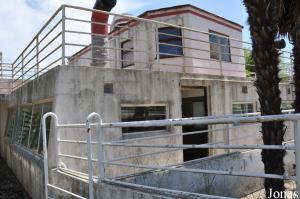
pixel 194 105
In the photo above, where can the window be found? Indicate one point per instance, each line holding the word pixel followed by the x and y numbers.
pixel 170 42
pixel 242 108
pixel 244 89
pixel 219 47
pixel 10 124
pixel 141 113
pixel 24 125
pixel 127 58
pixel 287 105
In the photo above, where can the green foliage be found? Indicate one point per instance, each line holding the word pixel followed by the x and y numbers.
pixel 249 61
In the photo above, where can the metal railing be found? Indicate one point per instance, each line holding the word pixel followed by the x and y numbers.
pixel 5 78
pixel 137 44
pixel 141 167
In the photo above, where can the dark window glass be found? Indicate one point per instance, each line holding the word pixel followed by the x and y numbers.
pixel 24 125
pixel 287 105
pixel 170 42
pixel 127 58
pixel 36 126
pixel 142 113
pixel 242 108
pixel 10 123
pixel 219 47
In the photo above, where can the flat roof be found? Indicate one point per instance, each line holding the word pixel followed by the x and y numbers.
pixel 188 6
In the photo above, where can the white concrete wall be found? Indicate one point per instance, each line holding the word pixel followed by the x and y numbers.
pixel 196 53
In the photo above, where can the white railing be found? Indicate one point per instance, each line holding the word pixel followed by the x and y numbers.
pixel 104 163
pixel 66 39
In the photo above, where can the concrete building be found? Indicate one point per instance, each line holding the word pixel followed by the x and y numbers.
pixel 176 62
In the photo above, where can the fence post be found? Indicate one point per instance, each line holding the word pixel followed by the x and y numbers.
pixel 297 152
pixel 44 129
pixel 63 35
pixel 89 149
pixel 101 154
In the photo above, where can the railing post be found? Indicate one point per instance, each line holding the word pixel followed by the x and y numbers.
pixel 101 154
pixel 22 71
pixel 63 35
pixel 89 150
pixel 297 152
pixel 44 129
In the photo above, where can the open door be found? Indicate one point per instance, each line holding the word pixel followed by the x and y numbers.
pixel 194 104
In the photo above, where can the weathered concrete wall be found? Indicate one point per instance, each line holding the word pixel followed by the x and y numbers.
pixel 230 186
pixel 80 91
pixel 222 93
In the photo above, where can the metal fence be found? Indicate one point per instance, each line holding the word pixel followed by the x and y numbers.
pixel 139 43
pixel 141 167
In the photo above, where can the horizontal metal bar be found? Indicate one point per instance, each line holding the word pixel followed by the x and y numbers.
pixel 194 121
pixel 41 30
pixel 50 31
pixel 217 172
pixel 149 21
pixel 162 191
pixel 204 146
pixel 181 121
pixel 65 191
pixel 76 157
pixel 75 141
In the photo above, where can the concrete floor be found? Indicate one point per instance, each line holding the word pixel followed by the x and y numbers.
pixel 10 188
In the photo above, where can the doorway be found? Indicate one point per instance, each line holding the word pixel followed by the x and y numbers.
pixel 194 104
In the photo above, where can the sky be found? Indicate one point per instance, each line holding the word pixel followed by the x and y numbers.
pixel 20 20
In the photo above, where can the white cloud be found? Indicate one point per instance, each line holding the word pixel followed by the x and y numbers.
pixel 20 20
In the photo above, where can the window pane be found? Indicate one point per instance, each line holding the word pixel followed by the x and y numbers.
pixel 242 108
pixel 175 42
pixel 169 33
pixel 23 127
pixel 214 51
pixel 287 105
pixel 169 50
pixel 219 44
pixel 11 120
pixel 142 113
pixel 213 39
pixel 127 57
pixel 35 126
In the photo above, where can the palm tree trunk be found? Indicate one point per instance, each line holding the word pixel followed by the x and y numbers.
pixel 296 55
pixel 263 22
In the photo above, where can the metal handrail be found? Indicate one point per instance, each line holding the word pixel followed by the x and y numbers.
pixel 211 120
pixel 29 64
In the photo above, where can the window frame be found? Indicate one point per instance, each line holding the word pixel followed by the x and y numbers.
pixel 165 41
pixel 18 123
pixel 219 36
pixel 125 52
pixel 138 133
pixel 243 103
